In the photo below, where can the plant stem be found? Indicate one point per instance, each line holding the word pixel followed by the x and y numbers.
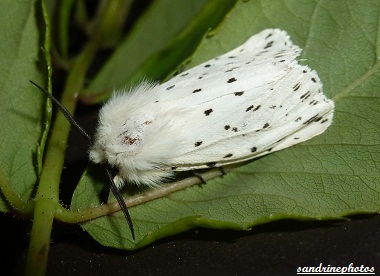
pixel 87 214
pixel 46 200
pixel 14 200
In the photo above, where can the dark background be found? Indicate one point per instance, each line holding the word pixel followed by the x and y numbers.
pixel 274 249
pixel 277 248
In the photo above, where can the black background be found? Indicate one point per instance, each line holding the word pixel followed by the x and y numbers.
pixel 274 249
pixel 277 248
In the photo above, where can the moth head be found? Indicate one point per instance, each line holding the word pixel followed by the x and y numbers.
pixel 119 136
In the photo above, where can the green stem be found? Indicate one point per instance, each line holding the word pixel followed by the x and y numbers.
pixel 87 214
pixel 46 200
pixel 14 200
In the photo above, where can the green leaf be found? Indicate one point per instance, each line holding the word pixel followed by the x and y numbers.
pixel 21 105
pixel 328 177
pixel 174 26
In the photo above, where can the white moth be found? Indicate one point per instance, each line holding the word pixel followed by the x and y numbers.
pixel 249 102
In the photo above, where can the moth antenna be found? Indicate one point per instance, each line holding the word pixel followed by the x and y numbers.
pixel 111 183
pixel 120 200
pixel 64 111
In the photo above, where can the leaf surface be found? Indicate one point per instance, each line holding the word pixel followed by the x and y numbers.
pixel 21 104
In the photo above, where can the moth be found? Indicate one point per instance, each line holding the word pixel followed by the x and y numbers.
pixel 249 102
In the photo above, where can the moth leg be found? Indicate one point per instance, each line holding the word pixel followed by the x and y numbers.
pixel 182 69
pixel 223 171
pixel 106 194
pixel 203 181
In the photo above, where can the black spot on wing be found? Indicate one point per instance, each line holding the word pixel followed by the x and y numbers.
pixel 228 155
pixel 279 54
pixel 296 86
pixel 249 108
pixel 227 127
pixel 170 87
pixel 253 108
pixel 253 149
pixel 197 90
pixel 239 93
pixel 208 112
pixel 269 44
pixel 230 70
pixel 305 96
pixel 312 119
pixel 231 80
pixel 198 143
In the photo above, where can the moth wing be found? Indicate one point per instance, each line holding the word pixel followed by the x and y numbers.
pixel 246 103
